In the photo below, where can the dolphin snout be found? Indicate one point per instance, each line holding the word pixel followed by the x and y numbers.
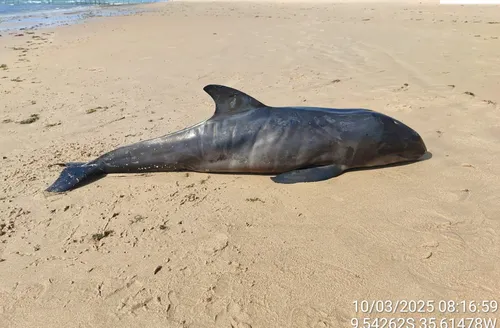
pixel 416 146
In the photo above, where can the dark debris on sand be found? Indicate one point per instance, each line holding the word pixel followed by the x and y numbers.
pixel 33 118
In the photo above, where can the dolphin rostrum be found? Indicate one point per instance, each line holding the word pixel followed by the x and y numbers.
pixel 297 144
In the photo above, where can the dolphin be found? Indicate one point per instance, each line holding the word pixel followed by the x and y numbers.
pixel 295 144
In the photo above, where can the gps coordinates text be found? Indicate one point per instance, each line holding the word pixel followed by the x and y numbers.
pixel 423 323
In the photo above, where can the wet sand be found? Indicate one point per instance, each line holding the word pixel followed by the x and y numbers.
pixel 30 17
pixel 205 250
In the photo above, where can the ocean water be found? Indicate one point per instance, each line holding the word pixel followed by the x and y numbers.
pixel 33 14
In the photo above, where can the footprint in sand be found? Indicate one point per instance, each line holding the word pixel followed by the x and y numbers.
pixel 233 316
pixel 214 244
pixel 305 316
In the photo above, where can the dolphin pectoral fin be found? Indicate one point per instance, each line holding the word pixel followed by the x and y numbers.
pixel 313 174
pixel 231 101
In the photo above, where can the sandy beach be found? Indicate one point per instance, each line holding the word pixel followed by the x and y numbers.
pixel 207 250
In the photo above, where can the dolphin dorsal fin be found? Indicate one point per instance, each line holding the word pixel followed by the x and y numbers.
pixel 230 101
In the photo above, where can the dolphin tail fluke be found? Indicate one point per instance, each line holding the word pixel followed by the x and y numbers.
pixel 74 175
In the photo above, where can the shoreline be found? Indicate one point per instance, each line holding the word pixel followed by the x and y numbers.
pixel 61 16
pixel 204 250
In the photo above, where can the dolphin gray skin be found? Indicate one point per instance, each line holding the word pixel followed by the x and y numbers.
pixel 297 144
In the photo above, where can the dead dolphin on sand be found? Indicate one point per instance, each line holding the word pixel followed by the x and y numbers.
pixel 297 144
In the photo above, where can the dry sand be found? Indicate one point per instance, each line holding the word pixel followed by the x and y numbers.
pixel 203 250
